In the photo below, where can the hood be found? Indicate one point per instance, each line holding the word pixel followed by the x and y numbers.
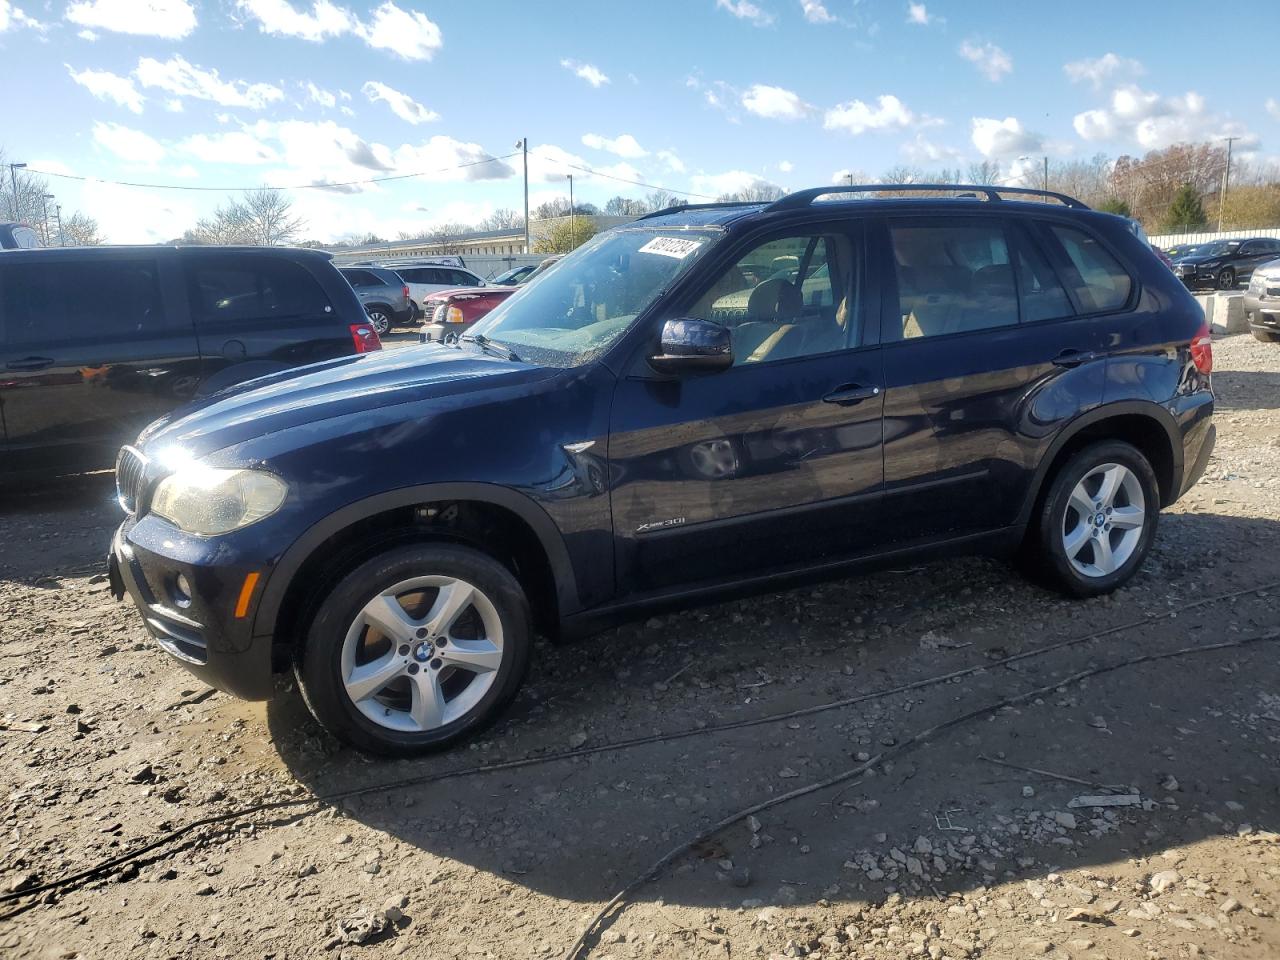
pixel 467 292
pixel 335 388
pixel 1195 258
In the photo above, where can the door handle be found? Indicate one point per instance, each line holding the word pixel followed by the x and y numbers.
pixel 850 394
pixel 1074 358
pixel 29 363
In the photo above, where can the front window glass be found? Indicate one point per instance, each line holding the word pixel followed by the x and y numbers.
pixel 571 314
pixel 1220 249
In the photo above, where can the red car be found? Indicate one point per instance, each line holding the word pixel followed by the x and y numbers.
pixel 447 314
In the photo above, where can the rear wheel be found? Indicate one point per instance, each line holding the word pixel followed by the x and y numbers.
pixel 1098 519
pixel 381 321
pixel 416 649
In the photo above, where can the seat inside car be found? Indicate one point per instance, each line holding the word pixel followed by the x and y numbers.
pixel 770 326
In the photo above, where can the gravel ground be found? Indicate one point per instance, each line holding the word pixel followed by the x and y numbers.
pixel 943 846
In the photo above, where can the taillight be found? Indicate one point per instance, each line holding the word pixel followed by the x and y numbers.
pixel 454 315
pixel 1202 349
pixel 406 291
pixel 364 337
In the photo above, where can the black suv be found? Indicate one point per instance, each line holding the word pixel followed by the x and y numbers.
pixel 709 400
pixel 96 342
pixel 1224 264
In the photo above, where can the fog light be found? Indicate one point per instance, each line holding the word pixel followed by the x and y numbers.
pixel 181 591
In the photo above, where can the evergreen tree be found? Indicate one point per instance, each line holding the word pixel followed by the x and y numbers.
pixel 1186 213
pixel 1115 205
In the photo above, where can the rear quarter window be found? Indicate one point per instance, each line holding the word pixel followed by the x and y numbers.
pixel 1100 282
pixel 234 289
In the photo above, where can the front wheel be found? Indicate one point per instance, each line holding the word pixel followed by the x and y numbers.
pixel 1227 279
pixel 416 649
pixel 1098 519
pixel 381 321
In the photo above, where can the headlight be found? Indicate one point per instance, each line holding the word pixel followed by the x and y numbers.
pixel 209 501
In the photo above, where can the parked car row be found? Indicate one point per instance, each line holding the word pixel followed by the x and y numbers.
pixel 1222 264
pixel 447 314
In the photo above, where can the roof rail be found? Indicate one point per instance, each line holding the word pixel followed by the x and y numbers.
pixel 803 198
pixel 677 208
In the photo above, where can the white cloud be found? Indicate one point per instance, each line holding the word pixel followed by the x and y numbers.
pixel 593 75
pixel 918 14
pixel 673 162
pixel 890 113
pixel 171 19
pixel 232 147
pixel 174 105
pixel 1273 107
pixel 815 12
pixel 992 62
pixel 551 164
pixel 746 10
pixel 131 146
pixel 126 215
pixel 184 79
pixel 401 104
pixel 921 150
pixel 320 95
pixel 1100 69
pixel 12 17
pixel 82 34
pixel 624 145
pixel 786 166
pixel 1003 138
pixel 1153 121
pixel 405 33
pixel 108 86
pixel 281 18
pixel 731 181
pixel 776 103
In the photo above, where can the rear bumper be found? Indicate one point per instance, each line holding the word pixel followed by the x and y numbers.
pixel 1196 466
pixel 209 634
pixel 441 332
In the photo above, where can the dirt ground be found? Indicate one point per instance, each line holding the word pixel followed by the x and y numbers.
pixel 936 850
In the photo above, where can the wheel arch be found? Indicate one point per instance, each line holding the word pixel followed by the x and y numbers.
pixel 531 545
pixel 1147 426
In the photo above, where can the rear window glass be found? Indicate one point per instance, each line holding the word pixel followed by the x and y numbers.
pixel 1104 284
pixel 232 289
pixel 110 299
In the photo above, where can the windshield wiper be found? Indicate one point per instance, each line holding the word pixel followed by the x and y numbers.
pixel 490 346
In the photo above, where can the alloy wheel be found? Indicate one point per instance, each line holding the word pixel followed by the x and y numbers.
pixel 381 322
pixel 1104 520
pixel 422 654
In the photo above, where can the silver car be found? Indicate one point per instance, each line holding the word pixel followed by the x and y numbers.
pixel 1262 302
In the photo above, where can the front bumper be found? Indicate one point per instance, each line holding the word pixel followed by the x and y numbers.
pixel 210 633
pixel 441 332
pixel 1262 307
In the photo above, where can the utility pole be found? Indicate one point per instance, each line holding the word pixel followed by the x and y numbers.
pixel 573 232
pixel 850 176
pixel 1046 178
pixel 13 177
pixel 523 144
pixel 57 212
pixel 44 218
pixel 1226 181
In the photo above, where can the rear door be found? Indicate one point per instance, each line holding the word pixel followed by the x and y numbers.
pixel 258 313
pixel 96 346
pixel 984 353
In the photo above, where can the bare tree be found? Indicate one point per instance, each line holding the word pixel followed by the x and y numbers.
pixel 268 218
pixel 30 205
pixel 985 172
pixel 620 206
pixel 448 236
pixel 80 230
pixel 762 191
pixel 551 209
pixel 226 225
pixel 660 200
pixel 503 219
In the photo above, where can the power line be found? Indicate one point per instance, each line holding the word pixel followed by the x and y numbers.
pixel 637 183
pixel 300 186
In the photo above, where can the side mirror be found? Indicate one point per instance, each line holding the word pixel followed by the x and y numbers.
pixel 692 344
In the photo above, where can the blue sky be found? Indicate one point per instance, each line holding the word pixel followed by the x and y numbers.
pixel 703 96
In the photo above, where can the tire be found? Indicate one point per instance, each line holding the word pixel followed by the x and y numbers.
pixel 1062 544
pixel 1266 336
pixel 1227 279
pixel 411 697
pixel 381 321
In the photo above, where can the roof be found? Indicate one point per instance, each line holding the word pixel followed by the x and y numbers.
pixel 138 248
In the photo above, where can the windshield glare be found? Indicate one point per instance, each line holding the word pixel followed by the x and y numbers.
pixel 566 316
pixel 1217 249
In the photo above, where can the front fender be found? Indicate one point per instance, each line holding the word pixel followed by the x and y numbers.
pixel 526 509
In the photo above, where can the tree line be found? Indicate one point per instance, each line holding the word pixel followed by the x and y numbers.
pixel 25 198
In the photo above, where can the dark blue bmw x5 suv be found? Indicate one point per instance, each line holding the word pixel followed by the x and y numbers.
pixel 712 399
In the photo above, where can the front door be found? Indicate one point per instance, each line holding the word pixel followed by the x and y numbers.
pixel 774 463
pixel 94 349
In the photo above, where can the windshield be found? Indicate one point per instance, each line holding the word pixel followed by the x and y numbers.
pixel 569 315
pixel 1217 249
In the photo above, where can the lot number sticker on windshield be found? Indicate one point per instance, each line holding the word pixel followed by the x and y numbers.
pixel 671 247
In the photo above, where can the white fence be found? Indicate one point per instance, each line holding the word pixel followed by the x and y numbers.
pixel 1174 239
